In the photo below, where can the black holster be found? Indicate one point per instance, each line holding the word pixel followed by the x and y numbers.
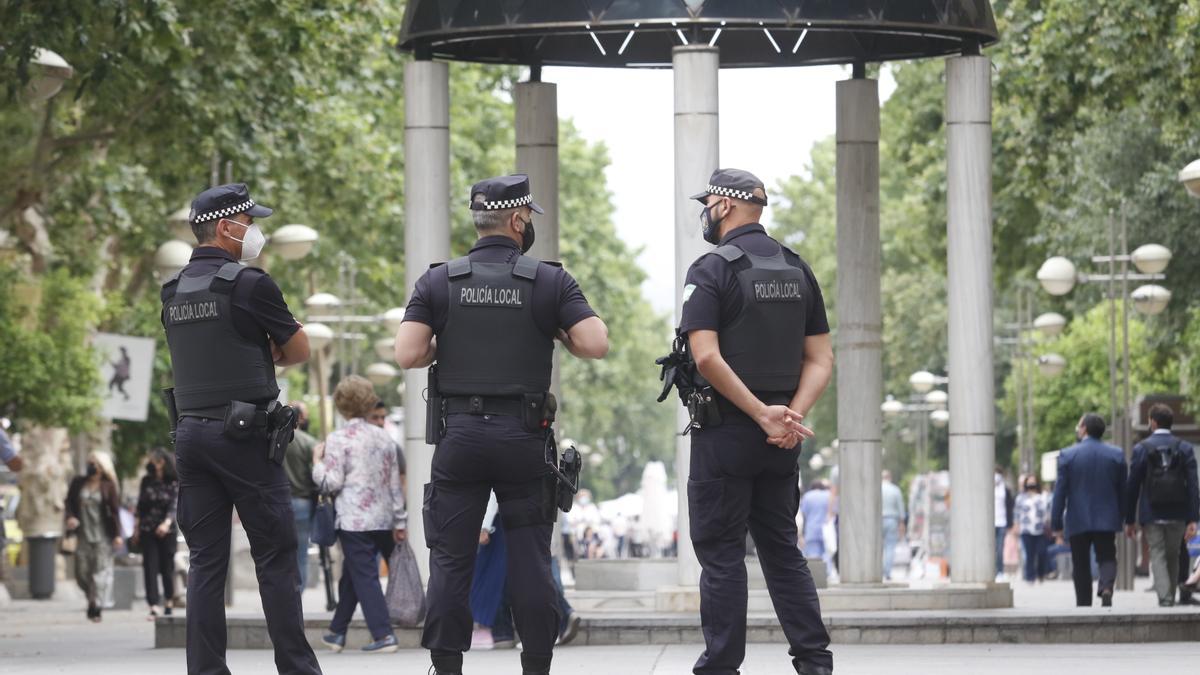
pixel 168 395
pixel 281 425
pixel 435 416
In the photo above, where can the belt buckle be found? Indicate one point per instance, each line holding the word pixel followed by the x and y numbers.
pixel 476 405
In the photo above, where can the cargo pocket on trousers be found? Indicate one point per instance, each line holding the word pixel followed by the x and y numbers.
pixel 430 517
pixel 705 499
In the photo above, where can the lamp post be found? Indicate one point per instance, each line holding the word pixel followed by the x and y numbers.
pixel 49 72
pixel 1049 324
pixel 928 404
pixel 1058 276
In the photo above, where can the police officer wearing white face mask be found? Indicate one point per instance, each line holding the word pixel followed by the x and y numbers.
pixel 227 327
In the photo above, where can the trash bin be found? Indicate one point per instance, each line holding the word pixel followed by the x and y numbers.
pixel 43 552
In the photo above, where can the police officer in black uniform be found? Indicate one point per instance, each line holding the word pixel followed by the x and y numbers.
pixel 756 327
pixel 227 328
pixel 489 320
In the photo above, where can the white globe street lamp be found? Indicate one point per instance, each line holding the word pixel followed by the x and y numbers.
pixel 1057 275
pixel 816 463
pixel 380 373
pixel 171 257
pixel 1051 365
pixel 322 301
pixel 1190 177
pixel 937 397
pixel 393 318
pixel 293 242
pixel 49 72
pixel 385 348
pixel 922 381
pixel 319 336
pixel 891 407
pixel 1151 299
pixel 1151 258
pixel 180 224
pixel 1050 324
pixel 939 418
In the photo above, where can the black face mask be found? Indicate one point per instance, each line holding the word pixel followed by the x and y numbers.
pixel 92 470
pixel 151 469
pixel 527 236
pixel 303 426
pixel 1031 488
pixel 711 228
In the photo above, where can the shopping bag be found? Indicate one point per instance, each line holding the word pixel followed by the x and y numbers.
pixel 405 595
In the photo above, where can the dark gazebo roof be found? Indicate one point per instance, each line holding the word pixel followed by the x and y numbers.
pixel 641 33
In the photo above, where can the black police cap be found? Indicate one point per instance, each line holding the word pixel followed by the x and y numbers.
pixel 734 183
pixel 503 192
pixel 224 201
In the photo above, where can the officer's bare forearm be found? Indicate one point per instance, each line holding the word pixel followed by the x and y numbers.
pixel 815 373
pixel 416 346
pixel 295 350
pixel 587 339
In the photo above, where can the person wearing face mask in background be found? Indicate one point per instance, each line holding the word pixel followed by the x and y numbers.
pixel 1032 512
pixel 91 513
pixel 154 529
pixel 490 319
pixel 228 327
pixel 755 323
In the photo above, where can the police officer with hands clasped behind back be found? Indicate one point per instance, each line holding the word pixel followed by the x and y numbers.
pixel 488 321
pixel 227 328
pixel 754 324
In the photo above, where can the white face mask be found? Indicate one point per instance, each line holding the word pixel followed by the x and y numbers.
pixel 252 241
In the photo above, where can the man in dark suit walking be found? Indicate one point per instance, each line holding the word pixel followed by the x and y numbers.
pixel 1090 489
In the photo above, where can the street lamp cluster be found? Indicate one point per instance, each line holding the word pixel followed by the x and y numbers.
pixel 926 404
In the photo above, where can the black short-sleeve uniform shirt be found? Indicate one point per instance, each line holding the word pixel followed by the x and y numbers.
pixel 558 303
pixel 711 294
pixel 259 310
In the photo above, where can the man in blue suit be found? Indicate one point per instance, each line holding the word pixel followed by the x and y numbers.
pixel 1162 495
pixel 1091 489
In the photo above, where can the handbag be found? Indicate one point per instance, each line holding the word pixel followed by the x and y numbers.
pixel 68 544
pixel 324 522
pixel 405 596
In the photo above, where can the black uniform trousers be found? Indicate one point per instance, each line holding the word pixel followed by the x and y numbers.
pixel 738 481
pixel 480 453
pixel 217 473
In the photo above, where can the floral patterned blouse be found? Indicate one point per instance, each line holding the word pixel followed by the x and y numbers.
pixel 1033 512
pixel 156 502
pixel 360 467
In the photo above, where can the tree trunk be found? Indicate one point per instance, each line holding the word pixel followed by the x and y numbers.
pixel 43 482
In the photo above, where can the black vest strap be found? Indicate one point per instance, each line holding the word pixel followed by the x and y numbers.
pixel 230 271
pixel 459 267
pixel 729 252
pixel 526 268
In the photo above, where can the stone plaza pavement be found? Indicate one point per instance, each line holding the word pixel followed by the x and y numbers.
pixel 39 638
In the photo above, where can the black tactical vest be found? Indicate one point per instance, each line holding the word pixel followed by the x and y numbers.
pixel 491 345
pixel 764 343
pixel 213 363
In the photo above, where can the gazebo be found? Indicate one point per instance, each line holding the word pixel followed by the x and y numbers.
pixel 695 38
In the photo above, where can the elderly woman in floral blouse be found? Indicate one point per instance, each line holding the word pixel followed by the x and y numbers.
pixel 358 464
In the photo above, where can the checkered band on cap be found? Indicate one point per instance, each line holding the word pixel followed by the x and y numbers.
pixel 730 192
pixel 223 213
pixel 508 203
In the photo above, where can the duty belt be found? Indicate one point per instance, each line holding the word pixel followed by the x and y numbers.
pixel 219 412
pixel 482 405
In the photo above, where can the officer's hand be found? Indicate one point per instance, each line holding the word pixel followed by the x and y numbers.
pixel 399 535
pixel 787 441
pixel 778 421
pixel 484 537
pixel 15 464
pixel 72 523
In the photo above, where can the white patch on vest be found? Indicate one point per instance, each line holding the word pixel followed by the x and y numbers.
pixel 186 312
pixel 687 291
pixel 490 296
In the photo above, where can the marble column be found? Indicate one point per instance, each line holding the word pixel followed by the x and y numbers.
pixel 696 157
pixel 969 264
pixel 859 327
pixel 426 241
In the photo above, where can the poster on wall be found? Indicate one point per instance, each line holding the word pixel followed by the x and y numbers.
pixel 126 366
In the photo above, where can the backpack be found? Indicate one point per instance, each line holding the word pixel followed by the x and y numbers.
pixel 1166 482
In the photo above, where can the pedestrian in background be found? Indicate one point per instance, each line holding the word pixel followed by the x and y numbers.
pixel 358 464
pixel 1032 513
pixel 894 517
pixel 154 528
pixel 1162 497
pixel 1003 518
pixel 1090 490
pixel 814 506
pixel 93 500
pixel 298 464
